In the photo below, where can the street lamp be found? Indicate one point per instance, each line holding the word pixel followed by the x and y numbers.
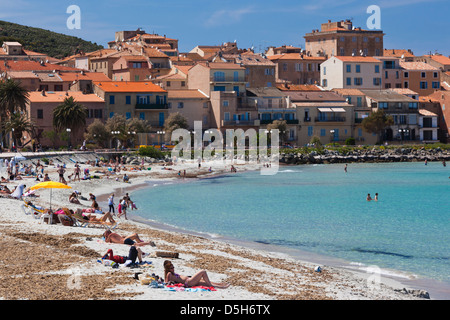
pixel 68 139
pixel 331 135
pixel 114 133
pixel 160 134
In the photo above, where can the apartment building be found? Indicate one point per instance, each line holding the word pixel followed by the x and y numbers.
pixel 40 108
pixel 217 76
pixel 420 77
pixel 134 99
pixel 131 68
pixel 193 104
pixel 323 114
pixel 404 111
pixel 347 72
pixel 259 70
pixel 297 68
pixel 273 104
pixel 342 39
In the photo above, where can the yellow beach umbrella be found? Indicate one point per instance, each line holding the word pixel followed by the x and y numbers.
pixel 50 185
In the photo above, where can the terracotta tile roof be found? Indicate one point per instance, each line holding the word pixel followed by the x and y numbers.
pixel 428 99
pixel 315 96
pixel 128 86
pixel 60 96
pixel 23 65
pixel 294 56
pixel 93 76
pixel 186 94
pixel 417 66
pixel 441 59
pixel 404 91
pixel 398 53
pixel 298 87
pixel 357 59
pixel 22 74
pixel 348 92
pixel 134 58
pixel 253 60
pixel 154 53
pixel 184 69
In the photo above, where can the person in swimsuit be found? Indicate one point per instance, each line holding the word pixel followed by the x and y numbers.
pixel 130 240
pixel 134 253
pixel 199 279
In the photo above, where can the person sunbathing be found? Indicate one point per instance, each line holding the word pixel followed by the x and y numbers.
pixel 199 279
pixel 132 255
pixel 94 218
pixel 130 240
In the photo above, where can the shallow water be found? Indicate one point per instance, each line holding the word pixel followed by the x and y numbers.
pixel 322 209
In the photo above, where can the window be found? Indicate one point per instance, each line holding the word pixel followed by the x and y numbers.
pixel 377 52
pixel 137 65
pixel 376 81
pixel 406 85
pixel 435 85
pixel 377 39
pixel 219 76
pixel 40 113
pixel 180 105
pixel 377 69
pixel 358 68
pixel 423 85
pixel 169 105
pixel 323 132
pixel 299 67
pixel 111 114
pixel 142 115
pixel 225 103
pixel 358 81
pixel 348 67
pixel 112 100
pixel 354 39
pixel 358 101
pixel 267 72
pixel 365 39
pixel 349 81
pixel 382 105
pixel 413 105
pixel 227 116
pixel 168 83
pixel 435 74
pixel 285 66
pixel 310 131
pixel 128 115
pixel 127 99
pixel 236 76
pixel 324 83
pixel 342 39
pixel 324 71
pixel 183 83
pixel 406 74
pixel 342 51
pixel 423 74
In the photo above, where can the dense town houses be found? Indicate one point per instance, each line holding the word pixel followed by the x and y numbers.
pixel 323 91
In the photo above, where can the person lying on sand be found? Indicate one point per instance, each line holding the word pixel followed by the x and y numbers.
pixel 131 240
pixel 74 198
pixel 93 218
pixel 132 255
pixel 199 279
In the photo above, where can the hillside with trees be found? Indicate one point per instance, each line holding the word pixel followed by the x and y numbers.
pixel 56 45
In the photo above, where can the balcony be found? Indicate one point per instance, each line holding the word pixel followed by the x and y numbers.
pixel 152 106
pixel 227 79
pixel 239 123
pixel 331 119
pixel 292 121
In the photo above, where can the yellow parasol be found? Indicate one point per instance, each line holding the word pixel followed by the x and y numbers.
pixel 50 185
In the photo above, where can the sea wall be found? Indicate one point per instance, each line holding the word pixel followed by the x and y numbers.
pixel 366 155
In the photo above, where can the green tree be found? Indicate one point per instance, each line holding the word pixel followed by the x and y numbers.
pixel 13 98
pixel 281 125
pixel 377 122
pixel 98 133
pixel 70 114
pixel 18 123
pixel 175 121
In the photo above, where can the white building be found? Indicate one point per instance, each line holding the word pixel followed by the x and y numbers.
pixel 351 72
pixel 428 126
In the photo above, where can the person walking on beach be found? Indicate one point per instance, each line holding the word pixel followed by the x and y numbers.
pixel 111 203
pixel 61 171
pixel 77 172
pixel 123 208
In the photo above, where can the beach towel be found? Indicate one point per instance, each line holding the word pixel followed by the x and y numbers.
pixel 180 287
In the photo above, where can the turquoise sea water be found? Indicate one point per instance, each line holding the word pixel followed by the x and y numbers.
pixel 322 209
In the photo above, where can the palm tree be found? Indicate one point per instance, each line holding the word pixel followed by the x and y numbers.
pixel 17 124
pixel 69 115
pixel 13 98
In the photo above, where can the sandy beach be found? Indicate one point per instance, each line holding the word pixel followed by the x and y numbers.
pixel 41 261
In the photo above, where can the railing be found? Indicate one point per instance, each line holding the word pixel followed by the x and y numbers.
pixel 151 106
pixel 227 79
pixel 239 123
pixel 333 119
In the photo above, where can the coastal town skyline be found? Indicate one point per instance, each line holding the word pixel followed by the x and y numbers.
pixel 411 25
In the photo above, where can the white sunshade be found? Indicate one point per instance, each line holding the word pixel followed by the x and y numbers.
pixel 325 109
pixel 338 109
